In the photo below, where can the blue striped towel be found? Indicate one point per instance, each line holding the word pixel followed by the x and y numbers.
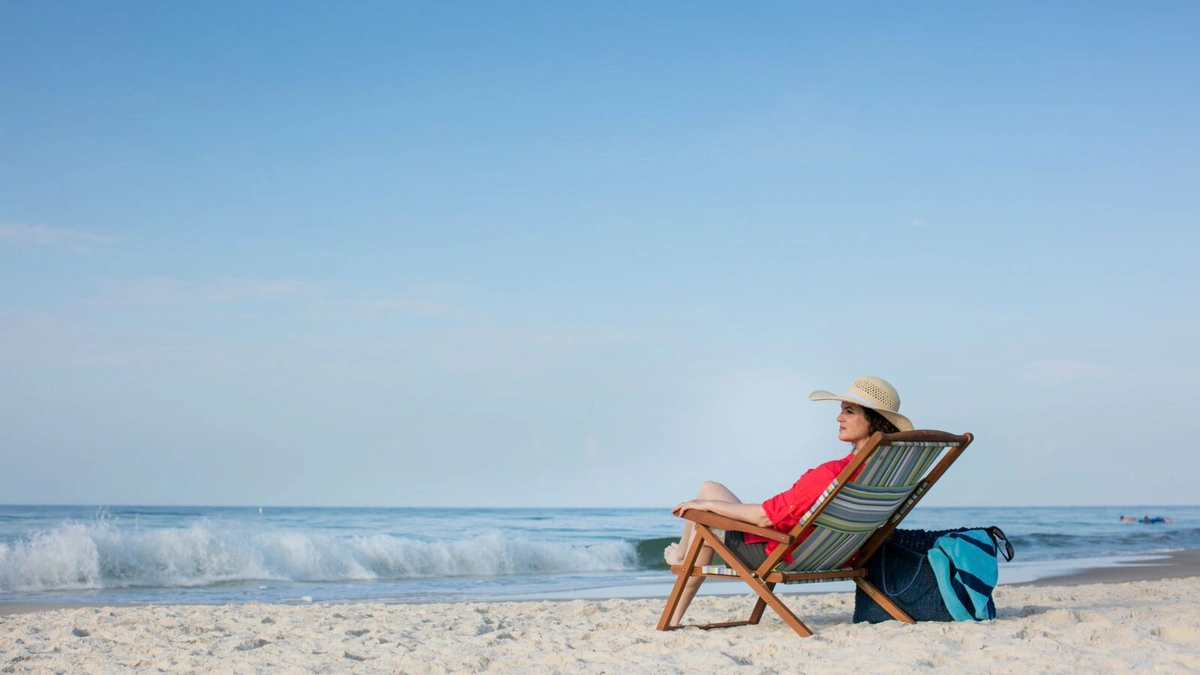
pixel 966 570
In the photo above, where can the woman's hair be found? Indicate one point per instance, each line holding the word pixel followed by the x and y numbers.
pixel 879 422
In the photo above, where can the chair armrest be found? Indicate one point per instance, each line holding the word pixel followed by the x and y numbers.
pixel 713 520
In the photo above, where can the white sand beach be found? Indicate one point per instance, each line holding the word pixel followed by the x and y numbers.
pixel 1114 627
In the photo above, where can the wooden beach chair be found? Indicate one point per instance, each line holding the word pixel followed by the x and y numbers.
pixel 845 526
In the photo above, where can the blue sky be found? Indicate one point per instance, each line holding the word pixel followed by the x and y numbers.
pixel 539 254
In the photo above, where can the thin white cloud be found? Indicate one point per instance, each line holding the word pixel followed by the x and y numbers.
pixel 234 290
pixel 423 307
pixel 439 300
pixel 50 237
pixel 179 293
pixel 1066 372
pixel 133 320
pixel 303 297
pixel 446 288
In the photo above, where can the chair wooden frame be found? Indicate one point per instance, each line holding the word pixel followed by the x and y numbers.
pixel 764 579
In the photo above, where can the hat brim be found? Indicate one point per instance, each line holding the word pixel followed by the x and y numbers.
pixel 900 421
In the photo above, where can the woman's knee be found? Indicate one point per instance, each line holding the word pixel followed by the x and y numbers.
pixel 711 489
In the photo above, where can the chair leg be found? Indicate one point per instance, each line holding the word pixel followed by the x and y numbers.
pixel 781 609
pixel 764 590
pixel 760 605
pixel 689 566
pixel 884 601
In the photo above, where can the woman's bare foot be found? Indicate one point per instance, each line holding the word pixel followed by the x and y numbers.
pixel 672 554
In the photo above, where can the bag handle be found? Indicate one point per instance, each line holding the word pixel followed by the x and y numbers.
pixel 998 536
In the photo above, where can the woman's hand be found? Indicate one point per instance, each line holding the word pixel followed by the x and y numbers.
pixel 684 507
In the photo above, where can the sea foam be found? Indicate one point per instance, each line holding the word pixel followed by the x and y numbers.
pixel 95 555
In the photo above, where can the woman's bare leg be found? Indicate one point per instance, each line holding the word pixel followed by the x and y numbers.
pixel 708 490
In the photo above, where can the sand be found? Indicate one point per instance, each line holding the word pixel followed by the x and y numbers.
pixel 1073 627
pixel 1163 566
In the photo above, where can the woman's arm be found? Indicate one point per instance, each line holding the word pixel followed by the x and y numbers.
pixel 747 513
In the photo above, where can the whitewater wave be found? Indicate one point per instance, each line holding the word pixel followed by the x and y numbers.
pixel 85 556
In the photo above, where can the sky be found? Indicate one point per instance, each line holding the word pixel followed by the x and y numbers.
pixel 592 254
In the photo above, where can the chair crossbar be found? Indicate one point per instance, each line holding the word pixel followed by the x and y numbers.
pixel 728 573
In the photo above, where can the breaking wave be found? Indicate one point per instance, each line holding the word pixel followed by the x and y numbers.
pixel 81 556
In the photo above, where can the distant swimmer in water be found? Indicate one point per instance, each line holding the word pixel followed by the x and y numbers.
pixel 1147 520
pixel 1127 519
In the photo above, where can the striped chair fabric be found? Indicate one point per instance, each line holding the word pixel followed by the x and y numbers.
pixel 864 504
pixel 718 569
pixel 876 496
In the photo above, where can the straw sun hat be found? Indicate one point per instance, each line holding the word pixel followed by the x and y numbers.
pixel 874 393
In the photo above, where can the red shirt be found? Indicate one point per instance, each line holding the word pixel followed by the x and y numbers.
pixel 786 508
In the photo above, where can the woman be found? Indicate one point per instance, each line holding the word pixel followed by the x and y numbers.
pixel 868 406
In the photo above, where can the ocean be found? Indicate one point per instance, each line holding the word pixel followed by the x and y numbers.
pixel 163 554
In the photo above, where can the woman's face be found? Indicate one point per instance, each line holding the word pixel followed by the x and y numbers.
pixel 853 426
